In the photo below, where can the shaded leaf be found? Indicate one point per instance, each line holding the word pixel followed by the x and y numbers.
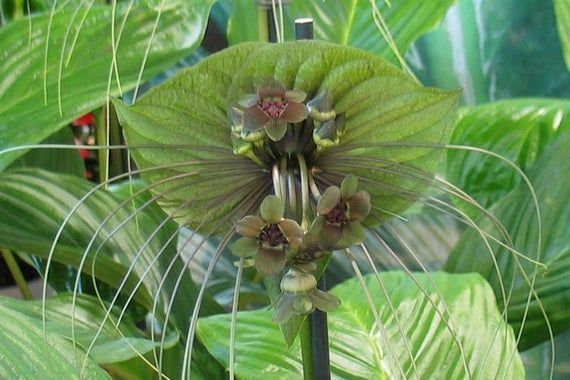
pixel 360 351
pixel 517 213
pixel 494 50
pixel 562 9
pixel 34 204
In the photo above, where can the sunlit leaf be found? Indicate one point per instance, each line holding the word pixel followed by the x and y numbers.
pixel 57 66
pixel 28 350
pixel 358 350
pixel 517 213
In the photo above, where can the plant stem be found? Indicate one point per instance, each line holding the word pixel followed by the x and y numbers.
pixel 307 350
pixel 17 274
pixel 320 340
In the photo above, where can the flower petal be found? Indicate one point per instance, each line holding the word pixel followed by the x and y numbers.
pixel 271 209
pixel 330 235
pixel 302 304
pixel 348 187
pixel 291 229
pixel 358 206
pixel 329 200
pixel 294 112
pixel 276 129
pixel 324 301
pixel 254 119
pixel 295 96
pixel 270 261
pixel 250 226
pixel 353 233
pixel 283 308
pixel 245 247
pixel 271 88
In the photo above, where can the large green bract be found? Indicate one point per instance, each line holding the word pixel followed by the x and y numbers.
pixel 179 132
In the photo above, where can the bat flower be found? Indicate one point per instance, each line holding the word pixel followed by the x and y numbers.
pixel 270 238
pixel 271 109
pixel 301 296
pixel 340 211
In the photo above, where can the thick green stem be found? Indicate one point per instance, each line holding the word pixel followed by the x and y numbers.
pixel 307 350
pixel 16 272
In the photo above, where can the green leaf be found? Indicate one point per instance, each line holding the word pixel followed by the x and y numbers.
pixel 34 203
pixel 180 131
pixel 517 213
pixel 519 130
pixel 360 351
pixel 64 65
pixel 349 23
pixel 28 351
pixel 114 343
pixel 562 9
pixel 495 50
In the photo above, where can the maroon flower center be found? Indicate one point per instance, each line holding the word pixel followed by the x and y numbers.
pixel 272 236
pixel 273 106
pixel 338 214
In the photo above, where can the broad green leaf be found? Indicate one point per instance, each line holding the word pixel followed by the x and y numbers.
pixel 517 213
pixel 562 9
pixel 113 344
pixel 180 131
pixel 360 351
pixel 29 352
pixel 519 130
pixel 54 67
pixel 348 23
pixel 34 204
pixel 495 50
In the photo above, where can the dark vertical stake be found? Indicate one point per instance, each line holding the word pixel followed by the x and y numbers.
pixel 318 319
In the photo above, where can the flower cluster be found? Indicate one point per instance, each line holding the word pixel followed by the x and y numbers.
pixel 276 128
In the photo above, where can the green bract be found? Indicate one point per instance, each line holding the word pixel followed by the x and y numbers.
pixel 391 127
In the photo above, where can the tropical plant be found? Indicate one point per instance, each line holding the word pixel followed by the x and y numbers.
pixel 300 208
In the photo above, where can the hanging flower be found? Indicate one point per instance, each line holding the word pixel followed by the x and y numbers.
pixel 301 296
pixel 340 211
pixel 272 108
pixel 270 238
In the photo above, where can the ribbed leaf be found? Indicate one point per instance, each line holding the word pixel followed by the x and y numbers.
pixel 519 130
pixel 359 351
pixel 34 203
pixel 54 67
pixel 29 352
pixel 517 213
pixel 114 344
pixel 348 23
pixel 391 126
